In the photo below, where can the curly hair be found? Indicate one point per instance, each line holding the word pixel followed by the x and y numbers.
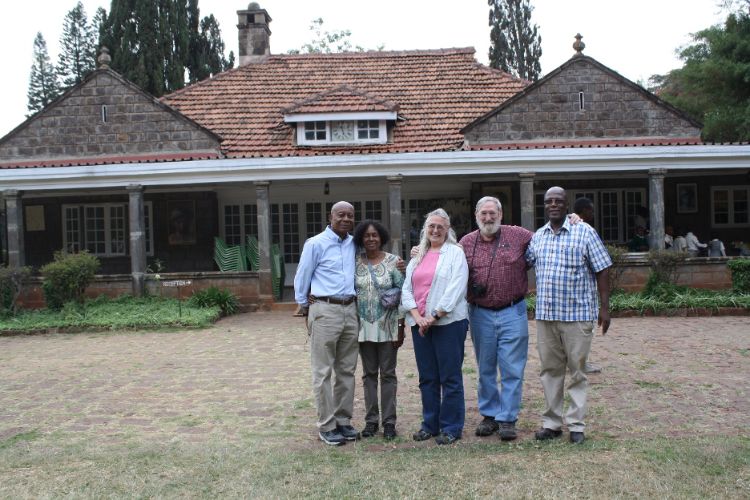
pixel 361 229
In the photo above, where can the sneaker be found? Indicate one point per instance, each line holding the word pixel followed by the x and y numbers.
pixel 332 437
pixel 577 437
pixel 349 432
pixel 371 428
pixel 544 434
pixel 591 368
pixel 487 427
pixel 444 438
pixel 421 435
pixel 389 431
pixel 507 431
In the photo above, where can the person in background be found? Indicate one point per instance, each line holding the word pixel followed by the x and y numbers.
pixel 326 271
pixel 716 247
pixel 639 242
pixel 694 246
pixel 381 331
pixel 680 243
pixel 434 295
pixel 571 266
pixel 668 237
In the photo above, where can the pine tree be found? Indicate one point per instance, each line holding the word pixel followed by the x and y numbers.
pixel 153 42
pixel 515 44
pixel 77 47
pixel 43 84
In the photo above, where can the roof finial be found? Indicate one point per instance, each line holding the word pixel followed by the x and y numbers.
pixel 104 58
pixel 578 46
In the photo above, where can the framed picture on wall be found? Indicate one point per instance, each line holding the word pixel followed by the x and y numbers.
pixel 687 198
pixel 181 222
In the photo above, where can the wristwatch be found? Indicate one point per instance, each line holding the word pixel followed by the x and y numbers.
pixel 435 315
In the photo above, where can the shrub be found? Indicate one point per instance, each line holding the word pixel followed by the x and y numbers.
pixel 665 264
pixel 617 254
pixel 12 281
pixel 213 296
pixel 740 274
pixel 66 278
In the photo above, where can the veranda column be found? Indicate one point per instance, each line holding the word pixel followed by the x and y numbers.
pixel 264 238
pixel 394 211
pixel 137 239
pixel 656 208
pixel 527 200
pixel 14 214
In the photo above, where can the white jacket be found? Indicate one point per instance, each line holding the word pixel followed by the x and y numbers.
pixel 448 289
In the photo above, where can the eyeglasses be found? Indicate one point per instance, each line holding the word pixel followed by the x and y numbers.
pixel 436 227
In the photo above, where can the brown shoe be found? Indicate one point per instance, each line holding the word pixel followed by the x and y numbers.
pixel 487 427
pixel 544 434
pixel 507 431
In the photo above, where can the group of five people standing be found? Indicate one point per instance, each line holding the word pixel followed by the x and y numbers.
pixel 481 279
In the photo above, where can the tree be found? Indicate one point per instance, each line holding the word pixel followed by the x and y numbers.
pixel 713 85
pixel 43 84
pixel 327 42
pixel 77 47
pixel 515 44
pixel 153 43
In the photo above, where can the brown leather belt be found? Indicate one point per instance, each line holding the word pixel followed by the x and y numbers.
pixel 334 300
pixel 505 306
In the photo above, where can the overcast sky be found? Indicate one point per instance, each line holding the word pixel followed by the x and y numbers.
pixel 636 38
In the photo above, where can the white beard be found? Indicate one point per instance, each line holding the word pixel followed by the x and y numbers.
pixel 490 229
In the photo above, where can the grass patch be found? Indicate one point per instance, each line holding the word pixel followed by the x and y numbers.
pixel 110 314
pixel 18 438
pixel 664 468
pixel 648 385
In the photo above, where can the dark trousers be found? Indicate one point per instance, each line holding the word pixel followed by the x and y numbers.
pixel 379 357
pixel 440 356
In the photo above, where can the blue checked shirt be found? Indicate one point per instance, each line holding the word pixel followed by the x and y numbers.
pixel 566 266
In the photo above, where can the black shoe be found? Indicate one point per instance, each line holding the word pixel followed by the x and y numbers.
pixel 332 437
pixel 486 427
pixel 444 438
pixel 389 431
pixel 543 434
pixel 371 428
pixel 507 431
pixel 421 435
pixel 349 432
pixel 577 437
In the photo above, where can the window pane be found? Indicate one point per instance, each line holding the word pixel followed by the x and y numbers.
pixel 251 221
pixel 275 224
pixel 314 215
pixel 374 210
pixel 117 230
pixel 232 232
pixel 147 227
pixel 610 227
pixel 290 217
pixel 72 230
pixel 95 235
pixel 721 206
pixel 740 206
pixel 539 217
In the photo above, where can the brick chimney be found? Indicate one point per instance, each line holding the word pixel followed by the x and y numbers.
pixel 254 35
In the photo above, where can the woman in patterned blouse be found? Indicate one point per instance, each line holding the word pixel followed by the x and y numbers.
pixel 381 331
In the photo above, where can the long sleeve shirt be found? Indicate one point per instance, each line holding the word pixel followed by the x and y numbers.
pixel 326 267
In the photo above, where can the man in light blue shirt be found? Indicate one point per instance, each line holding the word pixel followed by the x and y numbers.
pixel 571 264
pixel 326 271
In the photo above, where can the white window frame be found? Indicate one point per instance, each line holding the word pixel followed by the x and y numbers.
pixel 243 220
pixel 82 243
pixel 381 139
pixel 730 202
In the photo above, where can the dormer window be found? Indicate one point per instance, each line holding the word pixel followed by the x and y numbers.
pixel 334 132
pixel 315 132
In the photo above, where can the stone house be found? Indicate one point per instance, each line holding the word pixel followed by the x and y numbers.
pixel 266 148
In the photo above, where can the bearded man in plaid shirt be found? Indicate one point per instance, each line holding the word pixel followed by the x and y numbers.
pixel 571 264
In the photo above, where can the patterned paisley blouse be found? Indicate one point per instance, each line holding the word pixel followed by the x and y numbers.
pixel 375 323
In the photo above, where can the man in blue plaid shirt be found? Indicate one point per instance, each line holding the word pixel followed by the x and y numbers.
pixel 571 264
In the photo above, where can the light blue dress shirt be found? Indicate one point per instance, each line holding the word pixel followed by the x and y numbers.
pixel 326 267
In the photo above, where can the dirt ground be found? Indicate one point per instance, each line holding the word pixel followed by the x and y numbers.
pixel 249 377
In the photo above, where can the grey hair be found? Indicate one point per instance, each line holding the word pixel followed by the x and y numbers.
pixel 485 200
pixel 424 241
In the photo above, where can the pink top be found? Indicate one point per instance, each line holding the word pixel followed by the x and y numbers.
pixel 421 279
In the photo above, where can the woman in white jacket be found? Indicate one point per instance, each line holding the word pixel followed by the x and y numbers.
pixel 434 297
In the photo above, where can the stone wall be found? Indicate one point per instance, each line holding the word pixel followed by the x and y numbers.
pixel 613 108
pixel 135 124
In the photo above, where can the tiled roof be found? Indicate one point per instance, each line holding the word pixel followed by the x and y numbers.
pixel 341 99
pixel 110 160
pixel 595 143
pixel 437 92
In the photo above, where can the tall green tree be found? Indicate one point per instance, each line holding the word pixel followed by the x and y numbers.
pixel 713 85
pixel 515 43
pixel 43 84
pixel 77 47
pixel 154 42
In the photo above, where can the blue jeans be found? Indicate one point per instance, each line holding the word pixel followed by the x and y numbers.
pixel 440 356
pixel 501 340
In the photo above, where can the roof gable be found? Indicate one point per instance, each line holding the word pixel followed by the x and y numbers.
pixel 104 119
pixel 581 101
pixel 341 99
pixel 437 93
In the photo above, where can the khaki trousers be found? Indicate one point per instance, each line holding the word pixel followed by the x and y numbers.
pixel 334 349
pixel 564 345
